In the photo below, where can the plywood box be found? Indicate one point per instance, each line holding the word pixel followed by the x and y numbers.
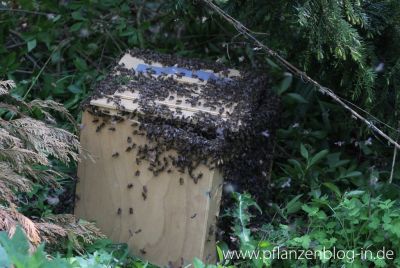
pixel 147 194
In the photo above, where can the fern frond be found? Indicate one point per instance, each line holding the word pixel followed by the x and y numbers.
pixel 47 140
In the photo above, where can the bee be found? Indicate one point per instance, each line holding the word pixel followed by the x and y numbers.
pixel 193 216
pixel 134 124
pixel 169 171
pixel 111 128
pixel 143 251
pixel 115 155
pixel 137 173
pixel 144 195
pixel 145 189
pixel 138 161
pixel 99 127
pixel 130 233
pixel 119 211
pixel 138 231
pixel 130 210
pixel 178 102
pixel 128 149
pixel 96 120
pixel 181 181
pixel 129 186
pixel 129 140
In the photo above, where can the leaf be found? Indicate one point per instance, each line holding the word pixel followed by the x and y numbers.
pixel 198 263
pixel 297 97
pixel 354 193
pixel 74 89
pixel 351 174
pixel 4 258
pixel 31 44
pixel 320 155
pixel 333 188
pixel 303 151
pixel 285 83
pixel 80 64
pixel 294 205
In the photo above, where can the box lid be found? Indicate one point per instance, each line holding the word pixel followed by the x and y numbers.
pixel 183 89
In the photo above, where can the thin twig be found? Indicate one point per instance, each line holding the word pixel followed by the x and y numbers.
pixel 393 162
pixel 295 71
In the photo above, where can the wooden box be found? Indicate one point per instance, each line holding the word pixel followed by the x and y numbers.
pixel 168 219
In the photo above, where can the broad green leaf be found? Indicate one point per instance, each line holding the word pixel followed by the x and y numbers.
pixel 317 157
pixel 333 188
pixel 296 97
pixel 303 151
pixel 294 205
pixel 285 83
pixel 354 193
pixel 31 44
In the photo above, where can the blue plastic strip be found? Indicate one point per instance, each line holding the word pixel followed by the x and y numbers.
pixel 179 71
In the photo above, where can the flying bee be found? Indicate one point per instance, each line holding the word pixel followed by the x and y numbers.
pixel 115 155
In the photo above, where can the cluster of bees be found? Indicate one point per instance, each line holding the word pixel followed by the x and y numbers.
pixel 231 130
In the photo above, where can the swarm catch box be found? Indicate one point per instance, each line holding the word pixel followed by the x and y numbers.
pixel 158 129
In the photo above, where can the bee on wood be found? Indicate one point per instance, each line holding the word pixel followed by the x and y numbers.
pixel 193 216
pixel 138 231
pixel 144 195
pixel 169 171
pixel 111 128
pixel 99 127
pixel 129 186
pixel 145 189
pixel 130 210
pixel 181 181
pixel 119 211
pixel 96 120
pixel 178 102
pixel 115 155
pixel 137 173
pixel 143 251
pixel 138 161
pixel 134 124
pixel 129 140
pixel 128 149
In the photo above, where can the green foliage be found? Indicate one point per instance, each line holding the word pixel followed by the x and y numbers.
pixel 16 252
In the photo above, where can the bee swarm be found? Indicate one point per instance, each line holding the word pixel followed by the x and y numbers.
pixel 229 125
